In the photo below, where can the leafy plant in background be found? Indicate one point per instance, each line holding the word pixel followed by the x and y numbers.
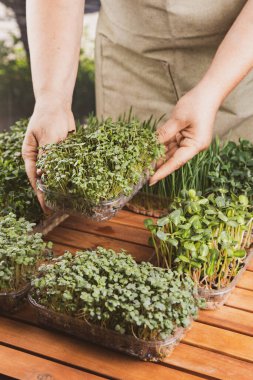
pixel 232 169
pixel 16 194
pixel 204 237
pixel 100 162
pixel 229 166
pixel 113 291
pixel 16 92
pixel 193 175
pixel 19 252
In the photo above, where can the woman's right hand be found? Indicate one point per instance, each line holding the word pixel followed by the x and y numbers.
pixel 50 123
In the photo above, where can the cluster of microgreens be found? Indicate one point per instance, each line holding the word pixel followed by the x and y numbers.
pixel 204 237
pixel 100 162
pixel 232 169
pixel 20 251
pixel 16 194
pixel 111 290
pixel 229 166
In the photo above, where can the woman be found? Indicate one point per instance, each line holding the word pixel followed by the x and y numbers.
pixel 176 57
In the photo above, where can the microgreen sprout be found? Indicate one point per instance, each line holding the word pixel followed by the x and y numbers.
pixel 100 162
pixel 16 194
pixel 20 251
pixel 113 291
pixel 205 237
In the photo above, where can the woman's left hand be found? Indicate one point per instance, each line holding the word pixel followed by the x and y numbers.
pixel 188 131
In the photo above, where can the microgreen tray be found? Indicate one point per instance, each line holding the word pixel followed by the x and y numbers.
pixel 75 205
pixel 129 344
pixel 215 298
pixel 149 205
pixel 12 301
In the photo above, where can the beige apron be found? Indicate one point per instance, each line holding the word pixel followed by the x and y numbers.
pixel 151 52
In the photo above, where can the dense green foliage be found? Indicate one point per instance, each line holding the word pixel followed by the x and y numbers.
pixel 102 161
pixel 19 252
pixel 113 291
pixel 229 166
pixel 204 237
pixel 16 194
pixel 232 169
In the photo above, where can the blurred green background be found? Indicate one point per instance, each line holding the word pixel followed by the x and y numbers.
pixel 16 94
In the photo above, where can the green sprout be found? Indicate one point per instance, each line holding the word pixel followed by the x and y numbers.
pixel 228 166
pixel 20 251
pixel 206 237
pixel 100 162
pixel 16 195
pixel 113 291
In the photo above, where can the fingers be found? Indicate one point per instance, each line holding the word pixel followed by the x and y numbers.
pixel 179 158
pixel 29 153
pixel 170 129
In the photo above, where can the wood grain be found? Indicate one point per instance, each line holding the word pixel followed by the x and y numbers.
pixel 246 282
pixel 229 318
pixel 21 365
pixel 241 299
pixel 84 355
pixel 222 341
pixel 109 229
pixel 81 240
pixel 210 363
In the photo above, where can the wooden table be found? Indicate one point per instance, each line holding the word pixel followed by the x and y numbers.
pixel 219 345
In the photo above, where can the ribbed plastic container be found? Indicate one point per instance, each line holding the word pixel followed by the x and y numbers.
pixel 149 205
pixel 75 205
pixel 128 344
pixel 215 298
pixel 13 301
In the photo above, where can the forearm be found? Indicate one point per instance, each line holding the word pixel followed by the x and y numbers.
pixel 54 35
pixel 234 58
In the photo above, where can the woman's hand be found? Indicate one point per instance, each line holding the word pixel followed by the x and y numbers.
pixel 50 123
pixel 188 131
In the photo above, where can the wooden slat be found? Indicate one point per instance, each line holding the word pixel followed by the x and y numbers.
pixel 221 341
pixel 21 365
pixel 195 355
pixel 210 363
pixel 241 299
pixel 246 282
pixel 229 318
pixel 129 218
pixel 83 240
pixel 108 229
pixel 250 266
pixel 84 355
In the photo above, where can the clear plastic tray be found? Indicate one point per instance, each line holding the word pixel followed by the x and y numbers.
pixel 149 205
pixel 215 298
pixel 144 350
pixel 12 301
pixel 74 205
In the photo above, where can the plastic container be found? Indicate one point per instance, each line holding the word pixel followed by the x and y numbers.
pixel 75 205
pixel 149 205
pixel 12 301
pixel 144 350
pixel 50 222
pixel 215 298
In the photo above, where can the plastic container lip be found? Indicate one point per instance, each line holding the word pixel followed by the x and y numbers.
pixel 16 292
pixel 108 202
pixel 44 189
pixel 227 289
pixel 153 343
